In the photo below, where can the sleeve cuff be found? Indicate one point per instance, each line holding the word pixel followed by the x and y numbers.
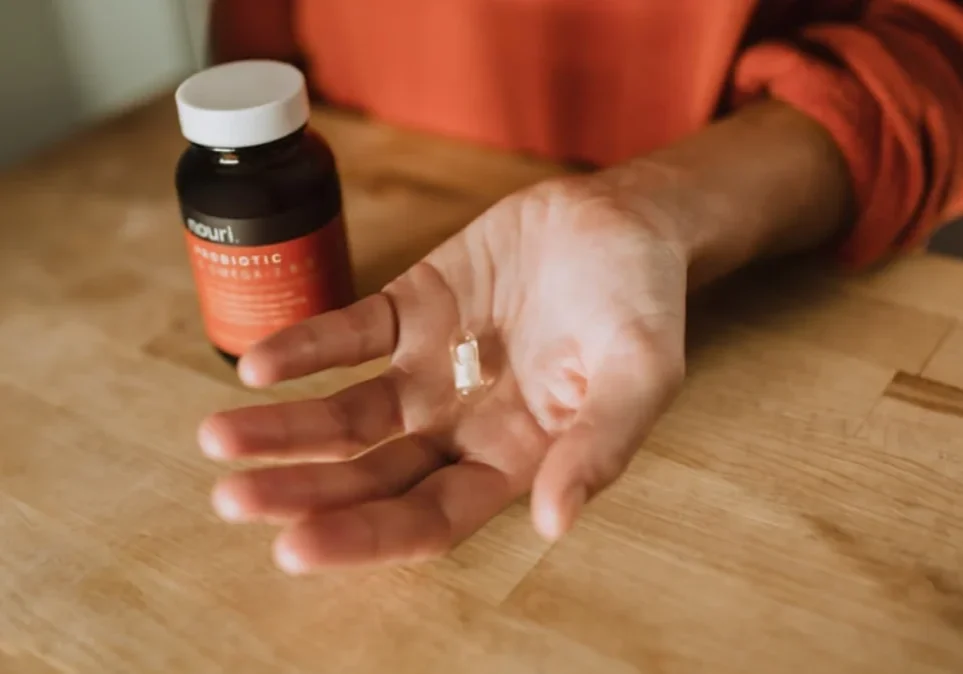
pixel 882 176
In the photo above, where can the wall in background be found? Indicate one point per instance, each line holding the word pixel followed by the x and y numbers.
pixel 39 96
pixel 67 63
pixel 196 13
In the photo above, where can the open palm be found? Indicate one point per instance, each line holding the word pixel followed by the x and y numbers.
pixel 579 310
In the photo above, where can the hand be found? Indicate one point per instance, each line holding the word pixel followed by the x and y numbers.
pixel 578 302
pixel 576 289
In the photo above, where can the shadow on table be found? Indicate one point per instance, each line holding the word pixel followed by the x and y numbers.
pixel 949 240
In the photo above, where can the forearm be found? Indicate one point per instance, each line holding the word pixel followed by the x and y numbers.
pixel 765 181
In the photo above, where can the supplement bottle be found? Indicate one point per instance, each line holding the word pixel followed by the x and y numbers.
pixel 260 200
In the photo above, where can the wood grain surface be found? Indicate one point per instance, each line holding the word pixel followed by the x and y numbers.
pixel 800 509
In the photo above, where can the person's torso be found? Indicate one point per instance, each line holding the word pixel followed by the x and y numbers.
pixel 588 80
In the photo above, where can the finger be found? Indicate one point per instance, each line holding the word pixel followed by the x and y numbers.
pixel 288 492
pixel 622 406
pixel 334 428
pixel 364 331
pixel 440 512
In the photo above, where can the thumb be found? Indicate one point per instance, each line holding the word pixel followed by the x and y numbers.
pixel 596 449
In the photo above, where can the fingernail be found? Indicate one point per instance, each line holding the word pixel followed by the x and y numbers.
pixel 209 441
pixel 247 373
pixel 554 520
pixel 288 561
pixel 226 507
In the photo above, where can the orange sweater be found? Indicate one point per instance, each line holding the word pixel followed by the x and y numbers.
pixel 604 80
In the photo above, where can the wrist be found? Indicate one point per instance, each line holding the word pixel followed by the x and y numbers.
pixel 766 181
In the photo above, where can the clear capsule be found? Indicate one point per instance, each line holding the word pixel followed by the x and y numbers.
pixel 466 365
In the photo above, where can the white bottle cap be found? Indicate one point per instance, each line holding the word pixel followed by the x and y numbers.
pixel 242 104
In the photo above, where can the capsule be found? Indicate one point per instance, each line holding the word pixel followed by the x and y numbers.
pixel 466 364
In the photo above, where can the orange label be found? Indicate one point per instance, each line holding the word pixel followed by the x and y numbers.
pixel 250 292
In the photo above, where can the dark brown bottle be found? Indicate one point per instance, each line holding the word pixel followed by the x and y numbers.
pixel 261 204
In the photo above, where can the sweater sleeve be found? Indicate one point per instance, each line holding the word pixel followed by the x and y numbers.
pixel 887 84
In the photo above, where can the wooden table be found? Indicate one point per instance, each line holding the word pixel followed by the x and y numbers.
pixel 799 510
